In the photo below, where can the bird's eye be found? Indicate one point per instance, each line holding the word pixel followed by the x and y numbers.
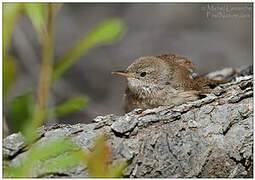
pixel 143 74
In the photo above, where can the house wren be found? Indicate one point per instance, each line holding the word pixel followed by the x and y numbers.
pixel 163 80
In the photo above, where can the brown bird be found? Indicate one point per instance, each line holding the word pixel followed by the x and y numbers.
pixel 163 81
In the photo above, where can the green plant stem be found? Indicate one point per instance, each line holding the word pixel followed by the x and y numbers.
pixel 46 70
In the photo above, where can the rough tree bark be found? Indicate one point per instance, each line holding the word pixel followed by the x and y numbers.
pixel 211 137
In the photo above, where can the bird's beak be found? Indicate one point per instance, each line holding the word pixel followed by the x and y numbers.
pixel 123 73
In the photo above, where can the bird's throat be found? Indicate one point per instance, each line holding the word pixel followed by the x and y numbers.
pixel 144 91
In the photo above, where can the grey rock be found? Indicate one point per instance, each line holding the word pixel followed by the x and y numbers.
pixel 208 138
pixel 12 145
pixel 124 124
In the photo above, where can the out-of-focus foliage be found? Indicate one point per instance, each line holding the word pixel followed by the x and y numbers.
pixel 43 152
pixel 100 161
pixel 9 73
pixel 20 110
pixel 106 32
pixel 26 112
pixel 74 104
pixel 11 12
pixel 37 14
pixel 20 115
pixel 69 155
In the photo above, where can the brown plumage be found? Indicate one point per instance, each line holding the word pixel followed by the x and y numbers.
pixel 163 80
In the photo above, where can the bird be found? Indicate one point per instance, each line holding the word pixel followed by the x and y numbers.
pixel 164 80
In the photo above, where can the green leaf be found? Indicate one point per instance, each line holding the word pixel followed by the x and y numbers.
pixel 37 14
pixel 50 149
pixel 13 172
pixel 63 161
pixel 20 115
pixel 57 153
pixel 60 153
pixel 71 105
pixel 11 12
pixel 107 32
pixel 9 73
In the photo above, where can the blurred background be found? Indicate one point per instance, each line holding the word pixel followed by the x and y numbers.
pixel 213 36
